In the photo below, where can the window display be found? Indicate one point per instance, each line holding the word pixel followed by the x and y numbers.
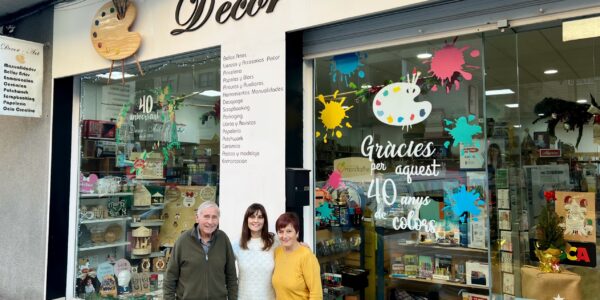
pixel 149 157
pixel 408 132
pixel 469 185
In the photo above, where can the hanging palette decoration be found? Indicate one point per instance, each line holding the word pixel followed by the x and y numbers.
pixel 111 36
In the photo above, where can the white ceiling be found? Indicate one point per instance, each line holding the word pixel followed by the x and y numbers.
pixel 11 6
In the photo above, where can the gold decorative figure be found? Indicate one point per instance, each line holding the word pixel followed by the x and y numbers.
pixel 111 36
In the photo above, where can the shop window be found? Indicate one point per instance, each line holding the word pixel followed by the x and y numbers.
pixel 400 166
pixel 546 164
pixel 149 157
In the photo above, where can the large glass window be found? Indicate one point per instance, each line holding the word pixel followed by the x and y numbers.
pixel 544 177
pixel 149 157
pixel 400 140
pixel 460 185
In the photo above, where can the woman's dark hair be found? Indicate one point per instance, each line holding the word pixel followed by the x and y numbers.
pixel 265 235
pixel 288 218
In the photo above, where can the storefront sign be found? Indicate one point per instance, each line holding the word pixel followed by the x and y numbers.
pixel 252 126
pixel 22 77
pixel 203 10
pixel 581 29
pixel 550 153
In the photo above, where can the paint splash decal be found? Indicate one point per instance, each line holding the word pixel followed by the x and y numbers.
pixel 448 64
pixel 463 201
pixel 346 65
pixel 334 181
pixel 463 131
pixel 332 116
pixel 395 103
pixel 326 212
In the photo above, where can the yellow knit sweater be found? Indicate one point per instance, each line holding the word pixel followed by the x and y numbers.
pixel 297 275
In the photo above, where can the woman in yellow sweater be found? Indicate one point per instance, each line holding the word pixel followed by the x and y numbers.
pixel 297 275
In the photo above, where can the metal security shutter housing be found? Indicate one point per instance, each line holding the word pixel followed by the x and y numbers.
pixel 431 20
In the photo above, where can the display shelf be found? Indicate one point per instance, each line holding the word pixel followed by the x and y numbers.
pixel 105 220
pixel 103 246
pixel 98 138
pixel 147 223
pixel 151 255
pixel 88 196
pixel 336 256
pixel 148 207
pixel 438 281
pixel 416 247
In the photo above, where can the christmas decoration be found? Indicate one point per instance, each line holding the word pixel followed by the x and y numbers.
pixel 550 236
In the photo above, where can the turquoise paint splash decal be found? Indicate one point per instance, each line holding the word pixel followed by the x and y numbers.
pixel 326 212
pixel 462 131
pixel 346 65
pixel 463 201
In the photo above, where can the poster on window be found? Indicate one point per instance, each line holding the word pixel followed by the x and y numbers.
pixel 471 157
pixel 578 211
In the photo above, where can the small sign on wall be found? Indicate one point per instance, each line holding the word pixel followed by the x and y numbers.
pixel 22 69
pixel 581 29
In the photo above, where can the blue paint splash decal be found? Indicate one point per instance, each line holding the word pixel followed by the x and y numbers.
pixel 463 131
pixel 463 201
pixel 346 65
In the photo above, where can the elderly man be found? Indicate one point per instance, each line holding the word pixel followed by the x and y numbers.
pixel 202 265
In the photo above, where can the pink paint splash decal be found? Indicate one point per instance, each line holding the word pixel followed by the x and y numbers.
pixel 334 181
pixel 448 64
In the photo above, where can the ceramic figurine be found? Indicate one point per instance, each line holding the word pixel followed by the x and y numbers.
pixel 124 277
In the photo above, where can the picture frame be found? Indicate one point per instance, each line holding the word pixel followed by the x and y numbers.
pixel 541 139
pixel 504 221
pixel 508 283
pixel 506 241
pixel 506 260
pixel 578 209
pixel 477 273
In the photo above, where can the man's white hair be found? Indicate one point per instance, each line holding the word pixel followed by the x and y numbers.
pixel 208 204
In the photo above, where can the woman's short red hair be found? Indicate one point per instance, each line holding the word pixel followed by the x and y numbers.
pixel 288 218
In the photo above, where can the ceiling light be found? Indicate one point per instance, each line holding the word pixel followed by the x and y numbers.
pixel 424 55
pixel 512 105
pixel 541 115
pixel 551 71
pixel 211 93
pixel 499 92
pixel 115 75
pixel 517 126
pixel 581 101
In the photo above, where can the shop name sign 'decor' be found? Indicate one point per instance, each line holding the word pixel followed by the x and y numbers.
pixel 203 10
